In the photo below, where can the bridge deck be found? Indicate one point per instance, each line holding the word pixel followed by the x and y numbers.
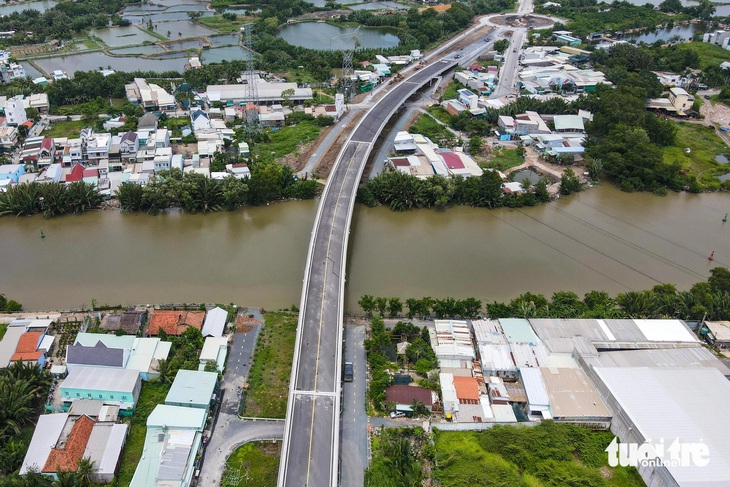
pixel 310 450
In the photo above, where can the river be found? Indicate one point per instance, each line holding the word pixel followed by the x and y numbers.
pixel 599 239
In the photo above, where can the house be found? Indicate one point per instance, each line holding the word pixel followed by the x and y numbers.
pixel 73 152
pixel 39 101
pixel 8 137
pixel 148 121
pixel 31 150
pixel 468 98
pixel 215 322
pixel 161 138
pixel 408 394
pixel 567 39
pixel 569 124
pixel 11 172
pixel 172 443
pixel 97 147
pixel 174 322
pixel 163 158
pixel 60 441
pixel 719 38
pixel 113 386
pixel 98 355
pixel 46 153
pixel 193 389
pixel 273 119
pixel 404 142
pixel 268 92
pixel 127 321
pixel 51 174
pixel 199 120
pixel 681 100
pixel 28 349
pixel 128 147
pixel 15 111
pixel 74 174
pixel 149 95
pixel 240 171
pixel 10 71
pixel 243 150
pixel 215 350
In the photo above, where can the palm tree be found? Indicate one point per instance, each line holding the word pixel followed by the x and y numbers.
pixel 84 472
pixel 419 409
pixel 16 404
pixel 65 479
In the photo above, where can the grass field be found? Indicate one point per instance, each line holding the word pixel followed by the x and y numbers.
pixel 271 369
pixel 152 394
pixel 710 54
pixel 65 129
pixel 253 465
pixel 704 145
pixel 547 454
pixel 285 141
pixel 440 113
pixel 504 159
pixel 224 26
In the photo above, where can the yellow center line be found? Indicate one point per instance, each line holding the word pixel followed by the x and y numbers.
pixel 321 312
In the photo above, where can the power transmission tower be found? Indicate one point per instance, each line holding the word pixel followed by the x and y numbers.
pixel 251 110
pixel 348 44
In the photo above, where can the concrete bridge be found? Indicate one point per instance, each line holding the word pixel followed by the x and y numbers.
pixel 311 436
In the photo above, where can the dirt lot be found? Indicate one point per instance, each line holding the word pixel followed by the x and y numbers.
pixel 245 324
pixel 715 113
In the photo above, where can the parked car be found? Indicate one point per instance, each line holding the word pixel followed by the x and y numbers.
pixel 397 414
pixel 706 97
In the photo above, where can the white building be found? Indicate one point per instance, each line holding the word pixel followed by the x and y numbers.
pixel 15 111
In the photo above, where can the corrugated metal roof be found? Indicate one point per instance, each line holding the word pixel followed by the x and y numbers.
pixel 215 322
pixel 665 357
pixel 572 395
pixel 101 379
pixel 192 387
pixel 98 354
pixel 177 417
pixel 666 331
pixel 488 331
pixel 688 404
pixel 111 341
pixel 503 413
pixel 534 387
pixel 9 344
pixel 45 436
pixel 211 347
pixel 496 357
pixel 105 446
pixel 518 330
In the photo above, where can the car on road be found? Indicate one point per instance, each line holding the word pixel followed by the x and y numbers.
pixel 724 129
pixel 397 414
pixel 706 97
pixel 349 372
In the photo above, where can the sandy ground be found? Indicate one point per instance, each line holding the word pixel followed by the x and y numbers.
pixel 715 113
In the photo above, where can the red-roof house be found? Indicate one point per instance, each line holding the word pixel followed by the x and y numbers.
pixel 67 457
pixel 467 390
pixel 407 394
pixel 27 348
pixel 174 322
pixel 452 160
pixel 76 174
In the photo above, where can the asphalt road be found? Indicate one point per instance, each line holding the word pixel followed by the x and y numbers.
pixel 354 439
pixel 230 431
pixel 311 441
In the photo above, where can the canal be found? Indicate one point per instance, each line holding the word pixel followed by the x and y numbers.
pixel 600 239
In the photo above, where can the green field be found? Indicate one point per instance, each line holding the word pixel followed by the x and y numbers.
pixel 269 376
pixel 152 394
pixel 224 26
pixel 548 454
pixel 704 145
pixel 3 329
pixel 428 126
pixel 253 465
pixel 285 141
pixel 504 159
pixel 710 54
pixel 65 129
pixel 440 113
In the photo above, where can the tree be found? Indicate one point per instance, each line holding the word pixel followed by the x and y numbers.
pixel 501 45
pixel 381 304
pixel 395 307
pixel 367 303
pixel 569 183
pixel 286 96
pixel 419 409
pixel 719 279
pixel 475 144
pixel 84 472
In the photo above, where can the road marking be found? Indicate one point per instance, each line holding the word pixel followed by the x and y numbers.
pixel 321 309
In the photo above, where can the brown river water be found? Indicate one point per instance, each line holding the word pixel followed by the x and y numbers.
pixel 600 239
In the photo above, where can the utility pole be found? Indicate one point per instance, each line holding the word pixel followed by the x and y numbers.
pixel 251 109
pixel 348 44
